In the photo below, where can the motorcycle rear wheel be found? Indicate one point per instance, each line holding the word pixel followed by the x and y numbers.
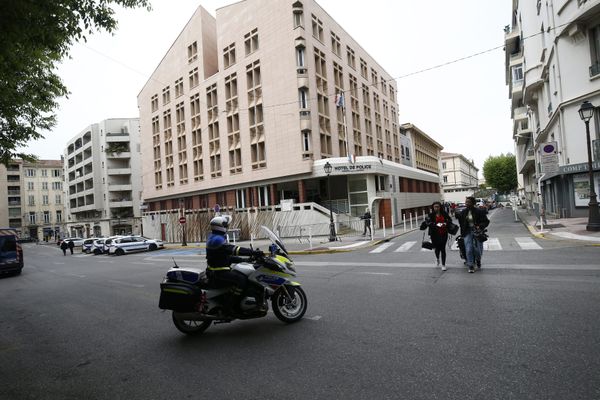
pixel 289 310
pixel 189 327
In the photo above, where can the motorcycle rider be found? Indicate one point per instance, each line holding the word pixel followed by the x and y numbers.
pixel 219 257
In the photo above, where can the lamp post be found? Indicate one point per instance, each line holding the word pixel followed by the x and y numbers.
pixel 586 112
pixel 182 218
pixel 332 235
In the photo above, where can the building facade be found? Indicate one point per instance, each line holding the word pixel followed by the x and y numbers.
pixel 243 107
pixel 459 177
pixel 103 185
pixel 552 66
pixel 426 150
pixel 31 198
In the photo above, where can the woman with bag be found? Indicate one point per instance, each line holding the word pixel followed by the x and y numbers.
pixel 439 223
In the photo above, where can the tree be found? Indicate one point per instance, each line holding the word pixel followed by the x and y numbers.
pixel 500 172
pixel 36 35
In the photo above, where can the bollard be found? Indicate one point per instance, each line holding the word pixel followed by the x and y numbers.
pixel 410 219
pixel 372 228
pixel 383 224
pixel 310 237
pixel 404 221
pixel 393 229
pixel 251 241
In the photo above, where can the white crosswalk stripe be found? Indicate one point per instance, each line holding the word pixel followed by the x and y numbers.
pixel 492 244
pixel 405 247
pixel 527 243
pixel 382 247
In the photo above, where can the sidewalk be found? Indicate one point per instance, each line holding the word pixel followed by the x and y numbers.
pixel 318 244
pixel 571 229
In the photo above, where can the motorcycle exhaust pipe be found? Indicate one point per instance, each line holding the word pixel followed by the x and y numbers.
pixel 195 316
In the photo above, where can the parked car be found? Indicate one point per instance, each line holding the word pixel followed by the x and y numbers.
pixel 11 252
pixel 88 245
pixel 107 242
pixel 130 244
pixel 77 241
pixel 460 207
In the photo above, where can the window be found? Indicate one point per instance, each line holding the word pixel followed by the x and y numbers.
pixel 59 216
pixel 56 173
pixel 229 55
pixel 58 199
pixel 444 165
pixel 31 172
pixel 214 143
pixel 336 45
pixel 303 97
pixel 154 102
pixel 194 78
pixel 517 73
pixel 306 141
pixel 196 138
pixel 374 77
pixel 240 198
pixel 298 17
pixel 251 41
pixel 445 179
pixel 300 61
pixel 178 87
pixel 351 57
pixel 192 52
pixel 46 217
pixel 45 199
pixel 30 186
pixel 363 68
pixel 31 200
pixel 56 185
pixel 32 218
pixel 166 95
pixel 44 172
pixel 44 185
pixel 594 36
pixel 317 28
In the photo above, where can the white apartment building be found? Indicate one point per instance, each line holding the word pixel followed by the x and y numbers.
pixel 459 177
pixel 31 198
pixel 552 67
pixel 241 111
pixel 103 185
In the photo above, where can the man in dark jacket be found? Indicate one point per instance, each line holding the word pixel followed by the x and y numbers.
pixel 219 257
pixel 367 218
pixel 473 222
pixel 71 245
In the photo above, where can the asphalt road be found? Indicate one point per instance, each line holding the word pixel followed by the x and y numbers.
pixel 385 325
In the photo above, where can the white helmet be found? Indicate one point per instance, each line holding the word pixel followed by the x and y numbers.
pixel 220 223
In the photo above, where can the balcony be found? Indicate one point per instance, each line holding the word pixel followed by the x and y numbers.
pixel 124 155
pixel 117 137
pixel 14 203
pixel 529 161
pixel 512 39
pixel 119 188
pixel 116 203
pixel 14 192
pixel 119 171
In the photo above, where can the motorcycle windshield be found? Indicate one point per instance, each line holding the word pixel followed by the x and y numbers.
pixel 274 238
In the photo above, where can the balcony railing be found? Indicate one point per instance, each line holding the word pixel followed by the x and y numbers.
pixel 594 69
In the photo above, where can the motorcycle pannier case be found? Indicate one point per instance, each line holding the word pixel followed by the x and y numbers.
pixel 179 296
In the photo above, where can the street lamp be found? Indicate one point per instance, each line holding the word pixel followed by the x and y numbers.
pixel 182 222
pixel 586 112
pixel 332 235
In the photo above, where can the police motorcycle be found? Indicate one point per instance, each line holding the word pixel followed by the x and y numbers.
pixel 196 302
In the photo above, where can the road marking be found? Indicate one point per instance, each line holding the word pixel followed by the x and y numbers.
pixel 58 263
pixel 135 285
pixel 78 276
pixel 142 263
pixel 349 246
pixel 315 318
pixel 574 267
pixel 109 262
pixel 527 243
pixel 405 247
pixel 492 244
pixel 569 235
pixel 373 273
pixel 382 247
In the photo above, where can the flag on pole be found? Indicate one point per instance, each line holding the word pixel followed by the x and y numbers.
pixel 339 100
pixel 351 158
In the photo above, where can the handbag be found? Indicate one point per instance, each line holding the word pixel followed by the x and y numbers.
pixel 452 228
pixel 426 244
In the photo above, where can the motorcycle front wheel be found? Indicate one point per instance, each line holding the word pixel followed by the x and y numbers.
pixel 289 308
pixel 190 327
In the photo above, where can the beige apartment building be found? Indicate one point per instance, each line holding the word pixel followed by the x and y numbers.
pixel 459 177
pixel 426 150
pixel 242 111
pixel 31 198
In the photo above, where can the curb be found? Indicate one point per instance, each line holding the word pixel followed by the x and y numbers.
pixel 531 228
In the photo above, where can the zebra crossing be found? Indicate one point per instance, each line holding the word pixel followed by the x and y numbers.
pixel 492 244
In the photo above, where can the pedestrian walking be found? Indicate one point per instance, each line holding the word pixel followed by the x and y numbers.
pixel 473 223
pixel 437 223
pixel 367 218
pixel 71 246
pixel 64 246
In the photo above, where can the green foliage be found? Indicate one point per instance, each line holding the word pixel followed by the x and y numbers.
pixel 36 35
pixel 500 172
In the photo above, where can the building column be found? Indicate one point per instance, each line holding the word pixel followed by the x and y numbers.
pixel 273 195
pixel 301 191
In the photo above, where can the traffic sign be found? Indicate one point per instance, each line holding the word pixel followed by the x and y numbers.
pixel 182 220
pixel 549 157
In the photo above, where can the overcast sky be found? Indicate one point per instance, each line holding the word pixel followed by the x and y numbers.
pixel 464 106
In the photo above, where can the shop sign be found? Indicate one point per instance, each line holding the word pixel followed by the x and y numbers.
pixel 353 168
